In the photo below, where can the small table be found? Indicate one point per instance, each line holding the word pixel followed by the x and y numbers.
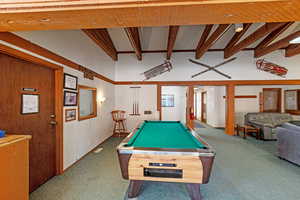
pixel 248 129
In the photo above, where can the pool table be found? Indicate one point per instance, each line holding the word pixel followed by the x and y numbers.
pixel 165 151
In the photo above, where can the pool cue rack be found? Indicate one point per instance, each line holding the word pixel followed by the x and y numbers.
pixel 135 100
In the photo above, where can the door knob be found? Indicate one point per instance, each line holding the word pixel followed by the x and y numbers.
pixel 53 122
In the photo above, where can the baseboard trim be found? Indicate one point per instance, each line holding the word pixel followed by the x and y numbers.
pixel 82 157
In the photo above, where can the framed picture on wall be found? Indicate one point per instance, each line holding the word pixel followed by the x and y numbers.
pixel 70 82
pixel 70 98
pixel 167 100
pixel 30 104
pixel 70 115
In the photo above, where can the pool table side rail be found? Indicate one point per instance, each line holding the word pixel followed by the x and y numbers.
pixel 208 151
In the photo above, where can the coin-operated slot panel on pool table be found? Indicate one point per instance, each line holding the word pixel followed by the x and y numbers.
pixel 163 173
pixel 162 164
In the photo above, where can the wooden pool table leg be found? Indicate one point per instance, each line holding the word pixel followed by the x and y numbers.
pixel 194 191
pixel 134 188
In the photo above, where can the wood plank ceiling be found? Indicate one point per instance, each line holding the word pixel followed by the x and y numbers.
pixel 266 34
pixel 18 15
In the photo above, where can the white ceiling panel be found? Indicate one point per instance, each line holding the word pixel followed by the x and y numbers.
pixel 154 38
pixel 120 39
pixel 188 37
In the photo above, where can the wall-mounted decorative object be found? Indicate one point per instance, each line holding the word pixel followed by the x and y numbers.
pixel 147 112
pixel 155 71
pixel 70 82
pixel 70 115
pixel 291 101
pixel 29 89
pixel 89 74
pixel 167 100
pixel 30 104
pixel 212 68
pixel 135 94
pixel 70 98
pixel 264 65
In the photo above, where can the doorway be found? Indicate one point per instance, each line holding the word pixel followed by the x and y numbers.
pixel 204 107
pixel 19 77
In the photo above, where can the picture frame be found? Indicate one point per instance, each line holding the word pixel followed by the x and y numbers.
pixel 70 115
pixel 30 104
pixel 70 98
pixel 167 100
pixel 70 82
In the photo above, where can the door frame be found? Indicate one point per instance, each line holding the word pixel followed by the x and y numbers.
pixel 58 98
pixel 202 106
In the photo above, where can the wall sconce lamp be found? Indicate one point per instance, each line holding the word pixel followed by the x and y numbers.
pixel 102 99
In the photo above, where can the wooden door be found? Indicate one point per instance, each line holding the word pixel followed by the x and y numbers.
pixel 271 100
pixel 15 75
pixel 203 107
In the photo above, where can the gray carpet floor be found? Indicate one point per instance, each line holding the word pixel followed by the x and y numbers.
pixel 243 170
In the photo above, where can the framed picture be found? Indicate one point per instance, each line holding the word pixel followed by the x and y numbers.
pixel 167 100
pixel 70 98
pixel 70 82
pixel 70 115
pixel 30 104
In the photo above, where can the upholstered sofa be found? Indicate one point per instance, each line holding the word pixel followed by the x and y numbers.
pixel 288 136
pixel 267 122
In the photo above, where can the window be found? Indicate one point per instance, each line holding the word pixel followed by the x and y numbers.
pixel 167 100
pixel 87 102
pixel 291 101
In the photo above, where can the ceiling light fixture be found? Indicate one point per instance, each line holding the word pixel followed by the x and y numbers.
pixel 238 27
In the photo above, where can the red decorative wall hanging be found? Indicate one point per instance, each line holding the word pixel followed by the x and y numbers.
pixel 264 65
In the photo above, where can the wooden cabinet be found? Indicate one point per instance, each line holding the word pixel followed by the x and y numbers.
pixel 14 167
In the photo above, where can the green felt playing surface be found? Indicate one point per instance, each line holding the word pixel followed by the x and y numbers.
pixel 164 134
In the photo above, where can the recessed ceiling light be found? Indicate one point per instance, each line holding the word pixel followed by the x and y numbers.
pixel 238 27
pixel 295 41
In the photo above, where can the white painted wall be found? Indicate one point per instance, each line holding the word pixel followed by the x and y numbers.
pixel 176 113
pixel 147 101
pixel 74 45
pixel 128 68
pixel 81 137
pixel 198 103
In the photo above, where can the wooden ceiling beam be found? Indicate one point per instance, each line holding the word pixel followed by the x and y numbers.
pixel 259 33
pixel 285 42
pixel 204 35
pixel 134 38
pixel 272 36
pixel 173 30
pixel 218 33
pixel 237 36
pixel 102 38
pixel 292 50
